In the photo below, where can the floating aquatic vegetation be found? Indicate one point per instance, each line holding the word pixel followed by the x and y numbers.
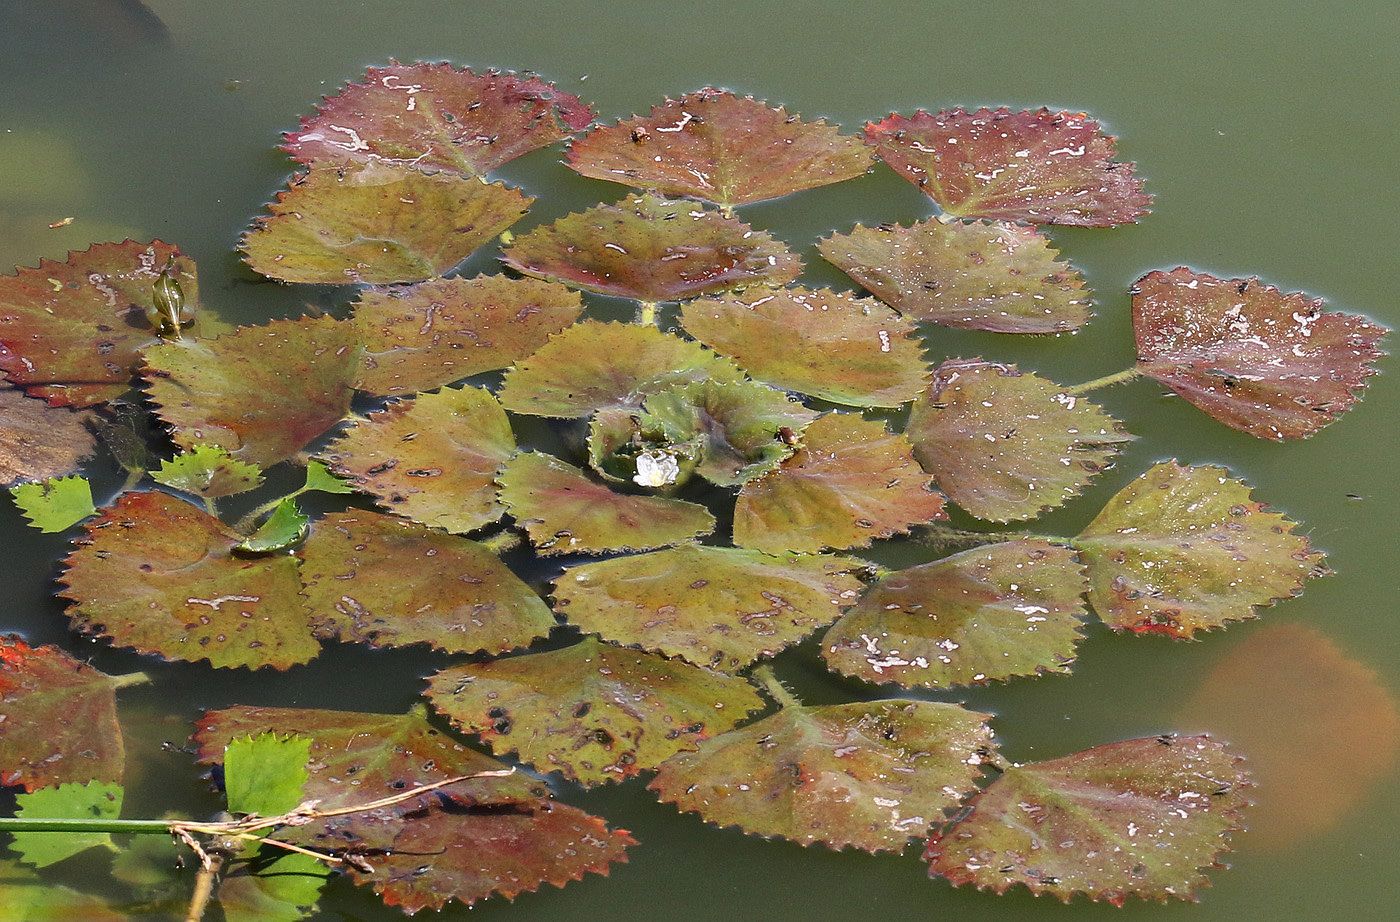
pixel 38 442
pixel 208 471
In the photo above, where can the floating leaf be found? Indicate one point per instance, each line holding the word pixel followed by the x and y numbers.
pixel 652 249
pixel 38 441
pixel 436 117
pixel 1259 360
pixel 825 343
pixel 1140 817
pixel 159 576
pixel 1005 444
pixel 423 336
pixel 55 505
pixel 27 898
pixel 593 711
pixel 850 482
pixel 626 445
pixel 95 800
pixel 320 479
pixel 208 471
pixel 565 512
pixel 593 365
pixel 989 613
pixel 873 774
pixel 1039 166
pixel 279 531
pixel 262 393
pixel 125 429
pixel 265 774
pixel 72 332
pixel 432 458
pixel 379 580
pixel 979 275
pixel 1185 549
pixel 285 888
pixel 377 225
pixel 714 606
pixel 716 146
pixel 60 721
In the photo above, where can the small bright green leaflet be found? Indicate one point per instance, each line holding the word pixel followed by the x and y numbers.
pixel 277 886
pixel 593 711
pixel 980 275
pixel 208 471
pixel 1142 817
pixel 420 337
pixel 719 147
pixel 38 441
pixel 431 458
pixel 829 344
pixel 1005 444
pixel 319 478
pixel 55 505
pixel 593 365
pixel 265 774
pixel 718 607
pixel 96 800
pixel 873 774
pixel 566 512
pixel 377 225
pixel 279 531
pixel 376 579
pixel 989 613
pixel 158 575
pixel 850 482
pixel 651 249
pixel 261 392
pixel 1186 549
pixel 25 897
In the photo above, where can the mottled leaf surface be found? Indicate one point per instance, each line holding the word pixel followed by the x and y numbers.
pixel 1005 444
pixel 872 775
pixel 982 275
pixel 652 249
pixel 593 711
pixel 377 225
pixel 60 721
pixel 94 800
pixel 593 365
pixel 158 575
pixel 38 441
pixel 850 482
pixel 420 337
pixel 55 505
pixel 432 458
pixel 1037 166
pixel 262 393
pixel 564 511
pixel 376 579
pixel 436 117
pixel 715 606
pixel 208 471
pixel 1269 363
pixel 723 148
pixel 1186 549
pixel 986 614
pixel 829 344
pixel 1143 817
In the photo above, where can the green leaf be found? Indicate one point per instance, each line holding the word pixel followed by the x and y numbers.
pixel 829 344
pixel 280 887
pixel 158 575
pixel 265 774
pixel 432 458
pixel 279 531
pixel 1005 444
pixel 26 897
pixel 564 512
pixel 850 482
pixel 1142 817
pixel 55 505
pixel 1185 549
pixel 651 249
pixel 593 711
pixel 37 441
pixel 873 774
pixel 208 471
pixel 980 275
pixel 986 614
pixel 377 225
pixel 320 478
pixel 716 146
pixel 715 606
pixel 151 864
pixel 96 800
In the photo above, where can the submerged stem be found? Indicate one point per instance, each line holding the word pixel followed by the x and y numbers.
pixel 501 542
pixel 1119 377
pixel 204 887
pixel 126 680
pixel 246 523
pixel 775 688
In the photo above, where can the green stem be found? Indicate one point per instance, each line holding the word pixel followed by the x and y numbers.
pixel 1127 374
pixel 209 505
pixel 646 314
pixel 24 824
pixel 129 679
pixel 776 689
pixel 133 477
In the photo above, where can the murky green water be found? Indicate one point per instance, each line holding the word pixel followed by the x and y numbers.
pixel 1267 130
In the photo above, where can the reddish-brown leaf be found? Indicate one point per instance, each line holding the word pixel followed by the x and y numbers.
pixel 38 441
